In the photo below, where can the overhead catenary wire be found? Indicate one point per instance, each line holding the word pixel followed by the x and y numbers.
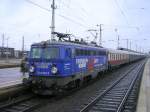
pixel 79 6
pixel 65 17
pixel 82 11
pixel 122 26
pixel 121 11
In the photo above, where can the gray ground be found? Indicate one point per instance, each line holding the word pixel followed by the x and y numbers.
pixel 10 76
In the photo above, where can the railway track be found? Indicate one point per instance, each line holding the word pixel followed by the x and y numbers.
pixel 115 97
pixel 21 103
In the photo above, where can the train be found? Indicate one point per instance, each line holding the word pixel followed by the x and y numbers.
pixel 58 65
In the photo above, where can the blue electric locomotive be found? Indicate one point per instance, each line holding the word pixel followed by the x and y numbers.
pixel 58 65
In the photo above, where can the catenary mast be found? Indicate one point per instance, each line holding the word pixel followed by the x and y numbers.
pixel 53 19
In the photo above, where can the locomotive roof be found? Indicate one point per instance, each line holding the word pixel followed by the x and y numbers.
pixel 85 46
pixel 68 43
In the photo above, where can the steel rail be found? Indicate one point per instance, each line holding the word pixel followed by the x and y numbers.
pixel 91 104
pixel 128 91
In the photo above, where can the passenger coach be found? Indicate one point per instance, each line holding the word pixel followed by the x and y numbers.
pixel 120 57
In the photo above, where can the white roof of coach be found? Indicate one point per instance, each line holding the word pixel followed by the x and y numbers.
pixel 121 51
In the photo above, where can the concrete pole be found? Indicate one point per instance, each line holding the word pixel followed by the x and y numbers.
pixel 118 42
pixel 100 34
pixel 22 46
pixel 53 20
pixel 127 43
pixel 3 38
pixel 130 45
pixel 136 47
pixel 7 51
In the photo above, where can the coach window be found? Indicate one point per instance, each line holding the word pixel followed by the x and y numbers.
pixel 77 52
pixel 91 53
pixel 117 56
pixel 86 52
pixel 94 53
pixel 73 53
pixel 109 56
pixel 120 56
pixel 82 52
pixel 99 53
pixel 114 56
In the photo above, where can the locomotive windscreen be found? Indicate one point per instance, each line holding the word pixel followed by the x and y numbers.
pixel 45 53
pixel 50 53
pixel 36 52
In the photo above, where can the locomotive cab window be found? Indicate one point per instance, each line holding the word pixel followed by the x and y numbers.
pixel 50 53
pixel 36 52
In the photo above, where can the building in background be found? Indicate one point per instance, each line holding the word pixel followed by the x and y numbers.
pixel 6 52
pixel 12 53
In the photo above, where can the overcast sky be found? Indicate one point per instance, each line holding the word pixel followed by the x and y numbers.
pixel 131 18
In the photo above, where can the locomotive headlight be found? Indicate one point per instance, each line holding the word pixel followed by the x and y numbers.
pixel 32 69
pixel 54 70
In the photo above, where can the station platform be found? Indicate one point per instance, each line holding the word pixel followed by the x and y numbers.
pixel 8 63
pixel 11 82
pixel 11 77
pixel 144 95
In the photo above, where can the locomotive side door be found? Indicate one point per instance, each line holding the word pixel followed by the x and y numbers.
pixel 68 61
